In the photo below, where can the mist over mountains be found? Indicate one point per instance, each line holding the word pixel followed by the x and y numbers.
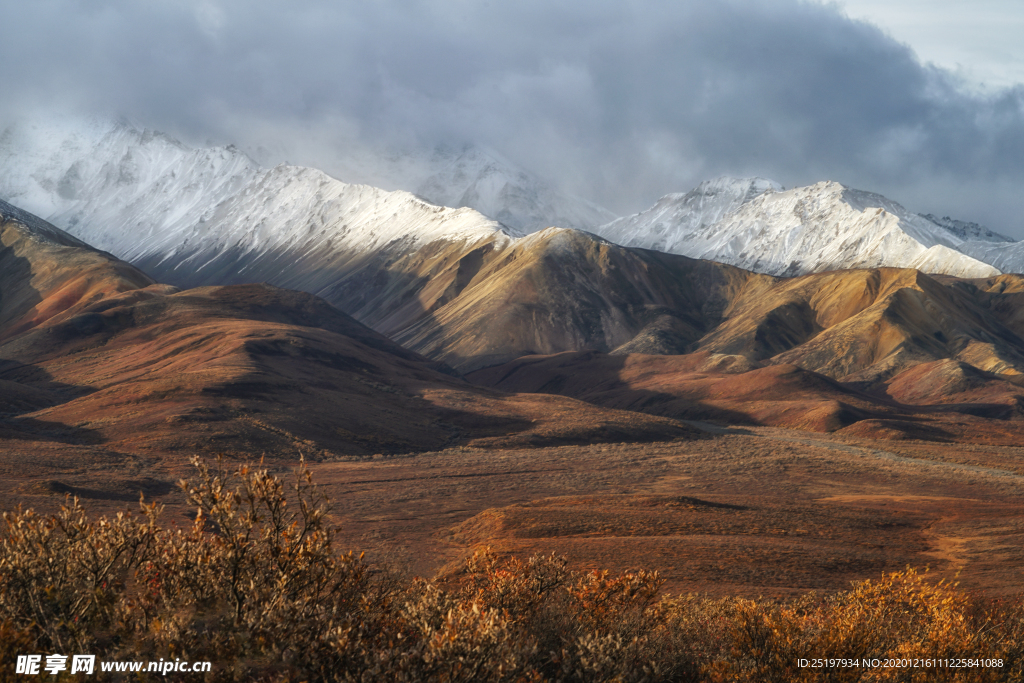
pixel 461 287
pixel 104 180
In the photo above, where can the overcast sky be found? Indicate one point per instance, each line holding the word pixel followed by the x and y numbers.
pixel 981 40
pixel 619 102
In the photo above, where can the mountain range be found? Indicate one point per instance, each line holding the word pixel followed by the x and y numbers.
pixel 97 358
pixel 840 350
pixel 86 171
pixel 843 284
pixel 756 224
pixel 820 381
pixel 156 202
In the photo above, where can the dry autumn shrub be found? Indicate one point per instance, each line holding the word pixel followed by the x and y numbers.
pixel 900 619
pixel 256 586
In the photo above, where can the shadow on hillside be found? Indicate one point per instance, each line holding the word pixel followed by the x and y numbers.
pixel 360 409
pixel 17 297
pixel 127 490
pixel 594 377
pixel 387 301
pixel 27 389
pixel 364 289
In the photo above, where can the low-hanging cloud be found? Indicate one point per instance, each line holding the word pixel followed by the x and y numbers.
pixel 618 101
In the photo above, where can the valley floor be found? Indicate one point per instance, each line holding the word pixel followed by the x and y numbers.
pixel 747 511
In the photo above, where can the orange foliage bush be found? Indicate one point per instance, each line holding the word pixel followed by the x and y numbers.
pixel 257 587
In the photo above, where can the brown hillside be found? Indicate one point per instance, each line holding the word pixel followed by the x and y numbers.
pixel 487 303
pixel 561 290
pixel 96 356
pixel 44 272
pixel 252 368
pixel 942 400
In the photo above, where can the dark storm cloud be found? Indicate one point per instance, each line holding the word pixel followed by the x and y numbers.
pixel 620 101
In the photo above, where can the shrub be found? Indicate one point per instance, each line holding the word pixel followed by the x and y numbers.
pixel 256 586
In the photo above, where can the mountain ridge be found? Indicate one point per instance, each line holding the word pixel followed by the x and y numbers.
pixel 95 355
pixel 47 274
pixel 754 224
pixel 152 200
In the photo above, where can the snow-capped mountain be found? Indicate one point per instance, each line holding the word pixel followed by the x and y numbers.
pixel 202 216
pixel 1008 258
pixel 668 225
pixel 483 180
pixel 118 188
pixel 756 225
pixel 134 192
pixel 298 227
pixel 469 176
pixel 458 176
pixel 147 198
pixel 213 216
pixel 36 228
pixel 969 232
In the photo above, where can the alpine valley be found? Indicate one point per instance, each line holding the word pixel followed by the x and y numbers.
pixel 815 382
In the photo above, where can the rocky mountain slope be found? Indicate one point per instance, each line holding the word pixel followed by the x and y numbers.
pixel 967 231
pixel 882 352
pixel 565 291
pixel 756 225
pixel 1008 258
pixel 94 357
pixel 866 325
pixel 47 274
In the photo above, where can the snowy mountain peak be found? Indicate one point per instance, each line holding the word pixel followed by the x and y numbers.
pixel 748 188
pixel 486 181
pixel 290 204
pixel 136 193
pixel 757 225
pixel 666 225
pixel 969 232
pixel 104 181
pixel 203 216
